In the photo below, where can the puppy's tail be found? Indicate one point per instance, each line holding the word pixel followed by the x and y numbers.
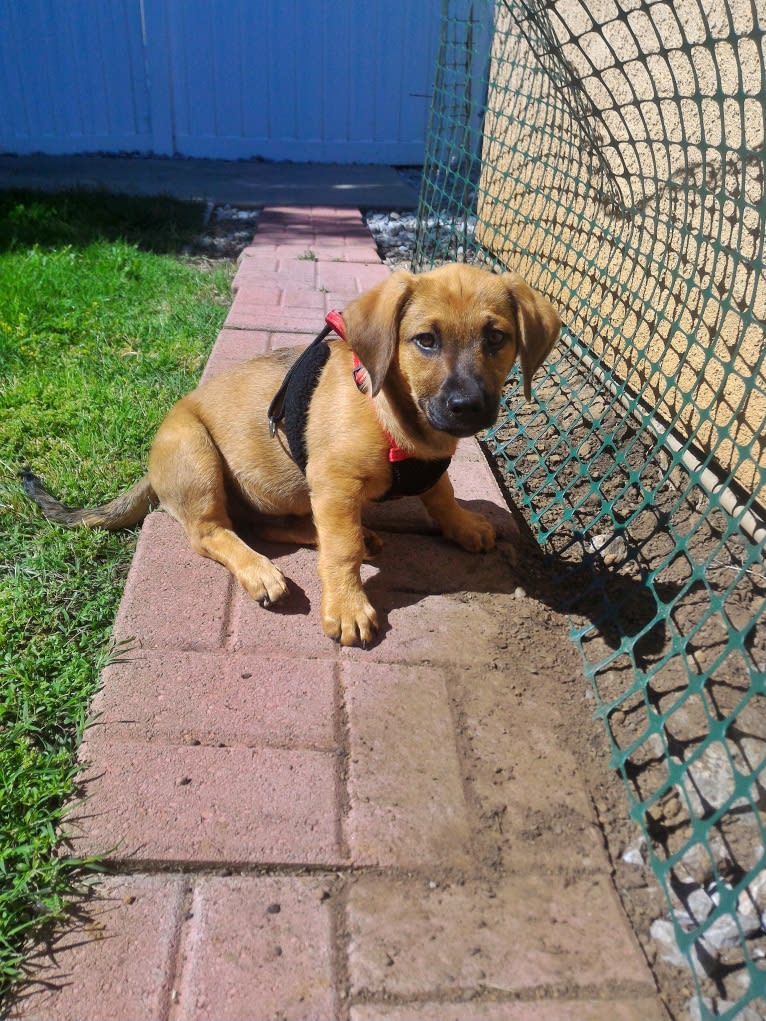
pixel 128 509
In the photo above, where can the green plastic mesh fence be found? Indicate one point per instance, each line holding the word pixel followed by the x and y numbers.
pixel 612 152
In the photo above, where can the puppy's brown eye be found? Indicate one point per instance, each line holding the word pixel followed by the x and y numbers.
pixel 427 342
pixel 495 339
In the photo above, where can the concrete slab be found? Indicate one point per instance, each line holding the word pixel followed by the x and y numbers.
pixel 280 965
pixel 166 805
pixel 237 182
pixel 522 934
pixel 116 961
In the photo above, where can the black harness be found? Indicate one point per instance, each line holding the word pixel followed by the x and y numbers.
pixel 410 476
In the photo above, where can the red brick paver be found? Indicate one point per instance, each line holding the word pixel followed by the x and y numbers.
pixel 300 831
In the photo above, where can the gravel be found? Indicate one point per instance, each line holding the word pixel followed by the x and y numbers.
pixel 399 235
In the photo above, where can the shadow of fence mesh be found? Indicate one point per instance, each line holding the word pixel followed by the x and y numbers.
pixel 612 152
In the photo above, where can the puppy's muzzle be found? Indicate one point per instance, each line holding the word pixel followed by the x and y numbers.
pixel 462 407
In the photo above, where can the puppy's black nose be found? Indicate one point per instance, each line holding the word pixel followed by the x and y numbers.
pixel 462 404
pixel 462 407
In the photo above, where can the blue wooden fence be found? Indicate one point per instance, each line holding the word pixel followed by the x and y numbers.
pixel 307 80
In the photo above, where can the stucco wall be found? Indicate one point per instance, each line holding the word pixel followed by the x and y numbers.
pixel 623 172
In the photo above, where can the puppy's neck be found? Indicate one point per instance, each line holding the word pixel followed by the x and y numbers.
pixel 416 437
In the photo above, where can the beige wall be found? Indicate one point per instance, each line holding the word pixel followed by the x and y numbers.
pixel 632 198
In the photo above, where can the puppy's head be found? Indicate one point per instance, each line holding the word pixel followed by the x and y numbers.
pixel 450 338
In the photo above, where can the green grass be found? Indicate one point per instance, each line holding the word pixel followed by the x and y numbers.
pixel 102 327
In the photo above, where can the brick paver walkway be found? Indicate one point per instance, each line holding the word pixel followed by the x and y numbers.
pixel 289 826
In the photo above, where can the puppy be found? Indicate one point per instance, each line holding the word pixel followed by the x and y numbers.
pixel 421 361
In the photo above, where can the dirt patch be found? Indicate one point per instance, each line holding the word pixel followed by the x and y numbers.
pixel 537 684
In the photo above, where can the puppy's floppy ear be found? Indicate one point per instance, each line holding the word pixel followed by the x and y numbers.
pixel 538 326
pixel 372 324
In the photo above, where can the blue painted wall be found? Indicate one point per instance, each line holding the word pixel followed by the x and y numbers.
pixel 306 80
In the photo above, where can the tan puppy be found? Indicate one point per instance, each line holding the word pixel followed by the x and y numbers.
pixel 437 348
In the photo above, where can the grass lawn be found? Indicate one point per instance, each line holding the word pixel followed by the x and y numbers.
pixel 102 327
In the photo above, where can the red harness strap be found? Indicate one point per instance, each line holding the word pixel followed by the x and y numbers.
pixel 395 452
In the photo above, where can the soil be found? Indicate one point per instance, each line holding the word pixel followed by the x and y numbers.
pixel 598 585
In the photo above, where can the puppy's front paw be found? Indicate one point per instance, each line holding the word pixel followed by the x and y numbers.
pixel 264 583
pixel 472 531
pixel 349 619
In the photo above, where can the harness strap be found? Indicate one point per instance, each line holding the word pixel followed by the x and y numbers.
pixel 276 410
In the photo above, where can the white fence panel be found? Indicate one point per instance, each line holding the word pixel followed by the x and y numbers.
pixel 325 80
pixel 72 77
pixel 303 79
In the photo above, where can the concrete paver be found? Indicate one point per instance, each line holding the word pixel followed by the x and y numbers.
pixel 281 963
pixel 118 958
pixel 644 1009
pixel 524 933
pixel 407 807
pixel 234 346
pixel 418 627
pixel 173 598
pixel 303 831
pixel 159 803
pixel 191 698
pixel 291 628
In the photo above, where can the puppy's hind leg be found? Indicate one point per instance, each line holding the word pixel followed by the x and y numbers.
pixel 187 476
pixel 302 532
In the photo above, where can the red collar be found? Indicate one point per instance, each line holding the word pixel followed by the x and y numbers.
pixel 395 453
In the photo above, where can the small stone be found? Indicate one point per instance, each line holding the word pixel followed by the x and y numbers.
pixel 751 905
pixel 751 1011
pixel 703 957
pixel 661 931
pixel 598 542
pixel 184 781
pixel 693 1008
pixel 617 551
pixel 709 781
pixel 519 592
pixel 695 866
pixel 698 906
pixel 723 933
pixel 273 909
pixel 612 546
pixel 634 855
